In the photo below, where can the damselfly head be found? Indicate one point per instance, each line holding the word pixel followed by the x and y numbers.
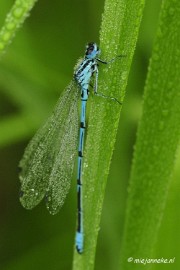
pixel 92 50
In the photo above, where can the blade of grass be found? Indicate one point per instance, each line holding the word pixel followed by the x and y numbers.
pixel 14 19
pixel 157 141
pixel 119 31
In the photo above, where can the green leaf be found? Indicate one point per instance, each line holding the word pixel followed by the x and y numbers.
pixel 119 31
pixel 157 141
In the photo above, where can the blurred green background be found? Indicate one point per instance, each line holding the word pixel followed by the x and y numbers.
pixel 35 69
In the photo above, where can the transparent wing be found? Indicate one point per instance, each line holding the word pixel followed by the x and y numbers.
pixel 61 173
pixel 48 161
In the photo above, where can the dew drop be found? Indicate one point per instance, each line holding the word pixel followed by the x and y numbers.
pixel 6 36
pixel 124 75
pixel 18 3
pixel 10 26
pixel 85 165
pixel 18 12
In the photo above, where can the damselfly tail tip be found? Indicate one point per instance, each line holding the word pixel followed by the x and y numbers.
pixel 79 242
pixel 79 250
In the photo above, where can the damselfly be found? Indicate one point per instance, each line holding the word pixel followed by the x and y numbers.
pixel 48 161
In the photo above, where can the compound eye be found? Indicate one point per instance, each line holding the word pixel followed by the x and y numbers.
pixel 90 48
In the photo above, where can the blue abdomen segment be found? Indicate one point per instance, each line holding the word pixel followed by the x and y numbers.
pixel 80 229
pixel 79 241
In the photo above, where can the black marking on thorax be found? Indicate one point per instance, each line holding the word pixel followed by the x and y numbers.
pixel 86 62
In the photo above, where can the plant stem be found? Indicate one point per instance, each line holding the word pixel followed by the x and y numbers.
pixel 18 13
pixel 119 31
pixel 157 141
